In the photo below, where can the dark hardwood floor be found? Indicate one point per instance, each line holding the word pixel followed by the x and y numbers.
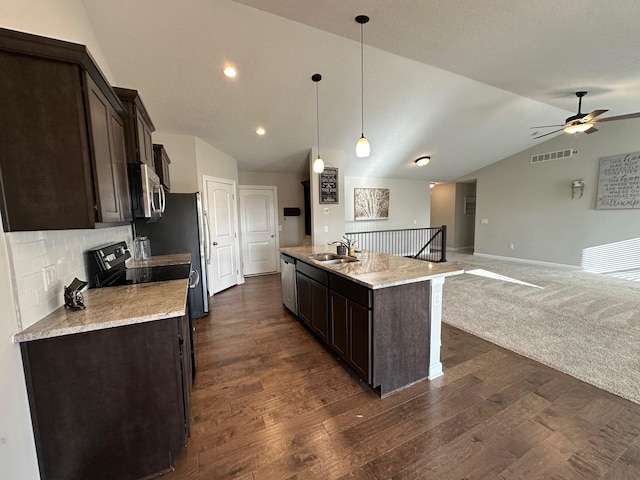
pixel 270 402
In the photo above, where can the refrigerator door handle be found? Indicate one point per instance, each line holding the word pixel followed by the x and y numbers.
pixel 206 234
pixel 196 279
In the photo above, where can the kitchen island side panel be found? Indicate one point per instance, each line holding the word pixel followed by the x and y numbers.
pixel 400 336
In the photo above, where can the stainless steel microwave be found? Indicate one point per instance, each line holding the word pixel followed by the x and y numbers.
pixel 147 194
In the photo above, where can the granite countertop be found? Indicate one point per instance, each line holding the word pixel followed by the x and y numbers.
pixel 160 260
pixel 376 270
pixel 117 306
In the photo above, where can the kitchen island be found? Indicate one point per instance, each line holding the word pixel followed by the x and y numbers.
pixel 109 385
pixel 381 313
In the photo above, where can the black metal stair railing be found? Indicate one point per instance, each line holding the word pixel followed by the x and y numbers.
pixel 429 244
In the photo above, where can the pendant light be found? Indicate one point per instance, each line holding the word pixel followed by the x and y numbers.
pixel 318 164
pixel 362 147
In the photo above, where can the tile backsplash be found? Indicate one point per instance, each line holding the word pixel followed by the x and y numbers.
pixel 61 253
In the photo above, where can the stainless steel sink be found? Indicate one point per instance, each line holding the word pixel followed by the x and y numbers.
pixel 340 260
pixel 332 258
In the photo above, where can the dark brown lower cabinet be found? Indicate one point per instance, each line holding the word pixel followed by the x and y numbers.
pixel 111 403
pixel 383 334
pixel 350 333
pixel 312 305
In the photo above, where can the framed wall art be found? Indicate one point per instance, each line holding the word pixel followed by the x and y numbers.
pixel 371 203
pixel 619 182
pixel 329 185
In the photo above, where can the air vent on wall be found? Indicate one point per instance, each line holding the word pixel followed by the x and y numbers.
pixel 547 157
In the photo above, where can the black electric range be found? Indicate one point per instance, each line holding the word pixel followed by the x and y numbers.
pixel 107 268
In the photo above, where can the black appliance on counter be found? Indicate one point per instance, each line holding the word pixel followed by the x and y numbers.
pixel 107 268
pixel 182 229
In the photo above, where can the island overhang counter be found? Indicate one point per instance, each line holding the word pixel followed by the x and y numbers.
pixel 382 314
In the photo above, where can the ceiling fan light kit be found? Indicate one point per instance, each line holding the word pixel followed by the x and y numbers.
pixel 363 149
pixel 584 122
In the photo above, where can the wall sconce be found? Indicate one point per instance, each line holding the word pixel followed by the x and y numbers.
pixel 577 186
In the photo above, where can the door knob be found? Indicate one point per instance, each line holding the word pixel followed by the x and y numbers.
pixel 215 243
pixel 272 236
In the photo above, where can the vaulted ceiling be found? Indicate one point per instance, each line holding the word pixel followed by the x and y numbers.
pixel 461 81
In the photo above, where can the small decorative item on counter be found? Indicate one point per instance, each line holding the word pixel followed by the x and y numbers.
pixel 141 248
pixel 73 298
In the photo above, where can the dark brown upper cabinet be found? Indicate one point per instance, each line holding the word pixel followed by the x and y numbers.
pixel 62 152
pixel 138 128
pixel 162 165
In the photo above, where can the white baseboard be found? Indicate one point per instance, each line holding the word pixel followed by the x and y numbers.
pixel 526 260
pixel 461 249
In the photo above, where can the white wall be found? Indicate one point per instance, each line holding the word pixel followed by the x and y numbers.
pixel 64 20
pixel 409 204
pixel 328 217
pixel 215 163
pixel 443 207
pixel 290 194
pixel 464 222
pixel 530 206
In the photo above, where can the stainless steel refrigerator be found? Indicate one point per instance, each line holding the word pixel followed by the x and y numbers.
pixel 181 229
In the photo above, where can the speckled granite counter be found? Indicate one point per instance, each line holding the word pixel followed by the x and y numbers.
pixel 376 270
pixel 160 260
pixel 117 306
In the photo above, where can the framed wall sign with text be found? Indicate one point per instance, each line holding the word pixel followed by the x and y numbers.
pixel 329 185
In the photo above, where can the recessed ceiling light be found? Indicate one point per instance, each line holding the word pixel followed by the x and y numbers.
pixel 260 131
pixel 422 161
pixel 230 71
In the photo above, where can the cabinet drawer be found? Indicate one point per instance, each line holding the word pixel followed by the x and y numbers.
pixel 312 272
pixel 351 290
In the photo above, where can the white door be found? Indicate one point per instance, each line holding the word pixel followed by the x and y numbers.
pixel 259 231
pixel 221 214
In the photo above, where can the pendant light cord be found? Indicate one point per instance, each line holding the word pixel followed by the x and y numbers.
pixel 362 76
pixel 318 117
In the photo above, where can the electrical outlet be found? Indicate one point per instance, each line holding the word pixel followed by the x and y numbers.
pixel 511 246
pixel 484 221
pixel 50 276
pixel 326 210
pixel 326 229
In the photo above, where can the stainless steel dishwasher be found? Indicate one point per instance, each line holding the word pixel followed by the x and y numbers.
pixel 289 289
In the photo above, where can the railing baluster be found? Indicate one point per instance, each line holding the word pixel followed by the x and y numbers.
pixel 429 243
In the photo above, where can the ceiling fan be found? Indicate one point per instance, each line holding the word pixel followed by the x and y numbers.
pixel 584 122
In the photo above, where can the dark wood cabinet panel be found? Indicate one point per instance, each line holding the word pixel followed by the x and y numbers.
pixel 313 305
pixel 305 305
pixel 350 333
pixel 107 134
pixel 138 128
pixel 59 150
pixel 110 403
pixel 319 306
pixel 360 336
pixel 338 324
pixel 162 162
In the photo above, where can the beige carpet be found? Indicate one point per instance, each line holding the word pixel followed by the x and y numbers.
pixel 584 324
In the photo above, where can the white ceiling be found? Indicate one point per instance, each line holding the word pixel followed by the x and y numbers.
pixel 459 80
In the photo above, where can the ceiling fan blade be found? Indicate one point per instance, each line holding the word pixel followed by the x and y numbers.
pixel 550 133
pixel 548 126
pixel 591 130
pixel 619 117
pixel 592 115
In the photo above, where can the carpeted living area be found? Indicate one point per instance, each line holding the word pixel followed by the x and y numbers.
pixel 583 324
